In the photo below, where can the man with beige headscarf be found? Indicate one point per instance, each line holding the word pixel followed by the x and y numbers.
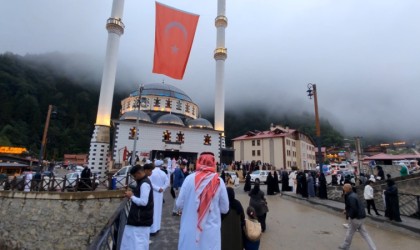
pixel 355 210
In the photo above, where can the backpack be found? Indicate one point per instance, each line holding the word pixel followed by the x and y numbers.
pixel 252 230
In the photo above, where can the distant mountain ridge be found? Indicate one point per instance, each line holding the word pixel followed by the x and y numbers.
pixel 30 83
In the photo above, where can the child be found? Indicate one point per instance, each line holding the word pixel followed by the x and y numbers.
pixel 251 245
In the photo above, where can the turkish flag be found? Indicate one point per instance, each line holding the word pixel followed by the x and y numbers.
pixel 174 35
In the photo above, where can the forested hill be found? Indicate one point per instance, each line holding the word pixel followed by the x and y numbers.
pixel 28 86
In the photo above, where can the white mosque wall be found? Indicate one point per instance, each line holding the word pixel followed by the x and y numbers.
pixel 151 138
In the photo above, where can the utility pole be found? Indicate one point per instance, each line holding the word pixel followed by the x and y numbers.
pixel 133 154
pixel 44 137
pixel 358 152
pixel 313 92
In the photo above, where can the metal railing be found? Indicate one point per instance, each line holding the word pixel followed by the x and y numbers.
pixel 111 234
pixel 64 184
pixel 409 205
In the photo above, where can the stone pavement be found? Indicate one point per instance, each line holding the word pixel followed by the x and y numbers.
pixel 167 238
pixel 408 225
pixel 293 223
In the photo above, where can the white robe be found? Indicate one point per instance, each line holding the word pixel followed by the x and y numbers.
pixel 188 201
pixel 159 180
pixel 137 238
pixel 28 181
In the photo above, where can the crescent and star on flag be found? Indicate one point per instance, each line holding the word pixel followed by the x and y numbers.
pixel 175 31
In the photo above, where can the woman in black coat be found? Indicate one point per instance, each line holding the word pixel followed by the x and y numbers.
pixel 304 185
pixel 247 186
pixel 259 203
pixel 392 210
pixel 285 182
pixel 270 184
pixel 322 187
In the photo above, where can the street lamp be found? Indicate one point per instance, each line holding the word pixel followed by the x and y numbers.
pixel 133 154
pixel 51 110
pixel 313 92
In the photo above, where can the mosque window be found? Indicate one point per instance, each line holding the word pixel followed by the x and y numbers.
pixel 166 137
pixel 207 139
pixel 168 103
pixel 187 108
pixel 193 110
pixel 144 102
pixel 253 152
pixel 180 137
pixel 258 152
pixel 178 105
pixel 156 102
pixel 258 143
pixel 253 142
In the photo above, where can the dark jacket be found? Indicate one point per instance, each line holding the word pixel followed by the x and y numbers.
pixel 355 209
pixel 141 216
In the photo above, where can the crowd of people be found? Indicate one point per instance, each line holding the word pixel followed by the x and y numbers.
pixel 212 218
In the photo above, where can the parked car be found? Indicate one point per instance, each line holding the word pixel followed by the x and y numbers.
pixel 259 176
pixel 121 175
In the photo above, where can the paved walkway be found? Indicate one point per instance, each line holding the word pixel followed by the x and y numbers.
pixel 408 225
pixel 293 223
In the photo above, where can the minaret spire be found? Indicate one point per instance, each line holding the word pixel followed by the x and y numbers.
pixel 100 142
pixel 220 55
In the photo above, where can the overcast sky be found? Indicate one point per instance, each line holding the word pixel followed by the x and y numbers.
pixel 364 55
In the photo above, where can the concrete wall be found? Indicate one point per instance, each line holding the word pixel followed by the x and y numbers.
pixel 44 220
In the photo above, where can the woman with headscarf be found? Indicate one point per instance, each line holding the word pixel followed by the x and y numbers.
pixel 232 223
pixel 311 185
pixel 258 202
pixel 276 182
pixel 304 186
pixel 223 176
pixel 392 210
pixel 322 187
pixel 284 181
pixel 270 184
pixel 248 244
pixel 247 186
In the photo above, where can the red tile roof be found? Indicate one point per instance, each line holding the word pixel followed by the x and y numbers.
pixel 264 134
pixel 383 156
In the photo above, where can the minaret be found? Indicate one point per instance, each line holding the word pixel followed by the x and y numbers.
pixel 99 145
pixel 220 55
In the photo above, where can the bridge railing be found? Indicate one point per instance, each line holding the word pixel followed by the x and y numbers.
pixel 109 238
pixel 409 205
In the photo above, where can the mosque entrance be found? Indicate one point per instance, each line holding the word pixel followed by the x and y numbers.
pixel 190 156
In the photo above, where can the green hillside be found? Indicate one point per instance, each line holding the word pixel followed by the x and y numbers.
pixel 29 85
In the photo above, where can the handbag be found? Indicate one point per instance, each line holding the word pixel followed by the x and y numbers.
pixel 252 230
pixel 264 207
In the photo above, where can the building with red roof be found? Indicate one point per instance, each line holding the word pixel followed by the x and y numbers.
pixel 280 146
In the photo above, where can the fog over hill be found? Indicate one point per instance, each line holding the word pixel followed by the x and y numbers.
pixel 273 106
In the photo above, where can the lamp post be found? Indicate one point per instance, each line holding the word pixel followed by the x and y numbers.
pixel 44 136
pixel 313 92
pixel 133 154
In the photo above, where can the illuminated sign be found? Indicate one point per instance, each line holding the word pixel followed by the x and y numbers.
pixel 12 150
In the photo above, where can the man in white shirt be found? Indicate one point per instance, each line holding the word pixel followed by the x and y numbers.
pixel 202 199
pixel 160 182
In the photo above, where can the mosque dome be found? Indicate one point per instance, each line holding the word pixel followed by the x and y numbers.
pixel 170 119
pixel 199 123
pixel 132 115
pixel 164 90
pixel 161 98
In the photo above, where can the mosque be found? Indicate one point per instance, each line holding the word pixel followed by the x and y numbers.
pixel 169 125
